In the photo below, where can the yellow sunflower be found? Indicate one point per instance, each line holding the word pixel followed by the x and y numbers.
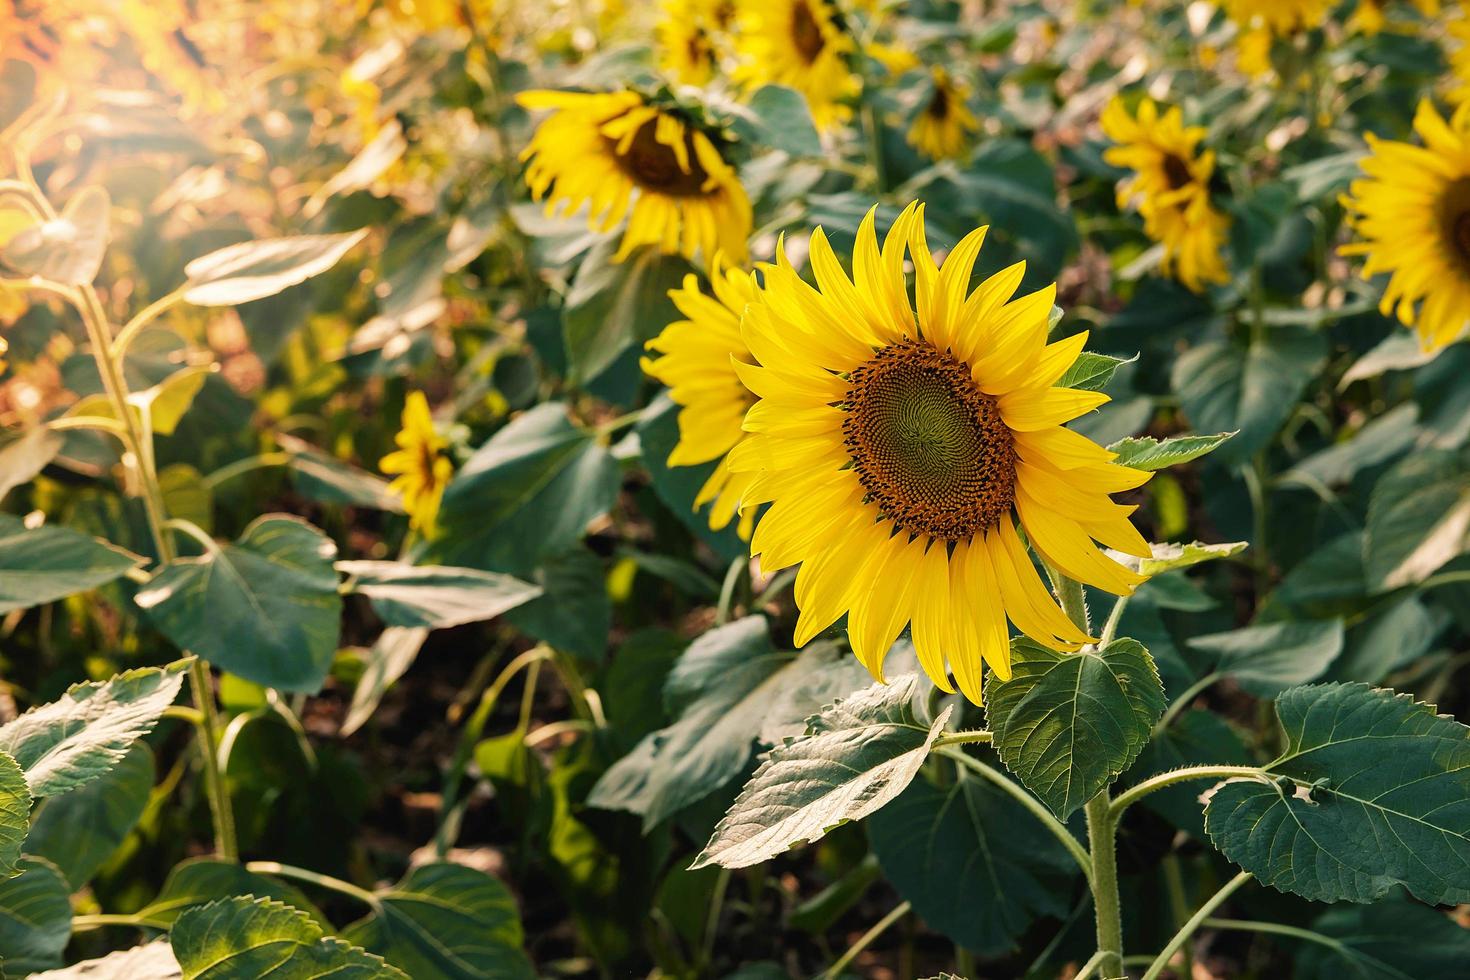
pixel 692 36
pixel 942 129
pixel 902 444
pixel 1280 17
pixel 1371 16
pixel 697 365
pixel 1170 188
pixel 420 465
pixel 1412 212
pixel 799 43
pixel 624 157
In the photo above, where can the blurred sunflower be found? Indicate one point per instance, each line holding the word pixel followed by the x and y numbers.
pixel 420 464
pixel 691 37
pixel 1413 213
pixel 1170 188
pixel 696 364
pixel 1371 16
pixel 625 157
pixel 899 451
pixel 1280 17
pixel 802 44
pixel 942 129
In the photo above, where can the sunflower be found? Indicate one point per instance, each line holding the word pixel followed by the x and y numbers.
pixel 420 464
pixel 622 155
pixel 1371 16
pixel 691 37
pixel 799 43
pixel 1170 187
pixel 943 127
pixel 904 446
pixel 1412 212
pixel 697 366
pixel 1280 17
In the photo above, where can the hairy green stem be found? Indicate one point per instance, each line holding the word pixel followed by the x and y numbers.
pixel 320 880
pixel 962 738
pixel 1185 931
pixel 1183 700
pixel 1166 779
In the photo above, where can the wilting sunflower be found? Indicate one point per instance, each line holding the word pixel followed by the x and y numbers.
pixel 692 37
pixel 1170 188
pixel 1280 17
pixel 421 467
pixel 942 129
pixel 625 157
pixel 901 445
pixel 799 43
pixel 696 364
pixel 1413 213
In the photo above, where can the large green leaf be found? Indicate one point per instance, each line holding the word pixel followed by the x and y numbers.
pixel 265 607
pixel 613 306
pixel 447 921
pixel 1269 658
pixel 573 613
pixel 1390 940
pixel 1068 723
pixel 243 937
pixel 254 270
pixel 1148 453
pixel 199 881
pixel 1382 438
pixel 1389 802
pixel 388 659
pixel 1418 519
pixel 1221 389
pixel 15 813
pixel 527 494
pixel 330 480
pixel 47 563
pixel 778 117
pixel 68 249
pixel 976 866
pixel 727 687
pixel 80 830
pixel 35 918
pixel 85 732
pixel 151 961
pixel 435 596
pixel 856 756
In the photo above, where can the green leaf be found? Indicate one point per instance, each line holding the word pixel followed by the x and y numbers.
pixel 527 494
pixel 1389 639
pixel 35 918
pixel 1399 351
pixel 248 937
pixel 447 921
pixel 1092 372
pixel 331 481
pixel 389 659
pixel 150 961
pixel 265 608
pixel 1068 724
pixel 613 306
pixel 15 814
pixel 1390 804
pixel 166 402
pixel 80 830
pixel 1267 659
pixel 39 565
pixel 435 596
pixel 727 687
pixel 778 117
pixel 1148 453
pixel 975 864
pixel 1220 390
pixel 84 733
pixel 1169 556
pixel 1390 940
pixel 856 756
pixel 254 270
pixel 199 881
pixel 68 249
pixel 25 455
pixel 1418 519
pixel 1325 176
pixel 1381 439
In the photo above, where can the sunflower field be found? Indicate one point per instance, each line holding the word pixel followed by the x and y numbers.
pixel 734 489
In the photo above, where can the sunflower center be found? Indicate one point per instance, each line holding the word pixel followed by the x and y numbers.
pixel 939 104
pixel 929 447
pixel 806 33
pixel 1176 172
pixel 654 166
